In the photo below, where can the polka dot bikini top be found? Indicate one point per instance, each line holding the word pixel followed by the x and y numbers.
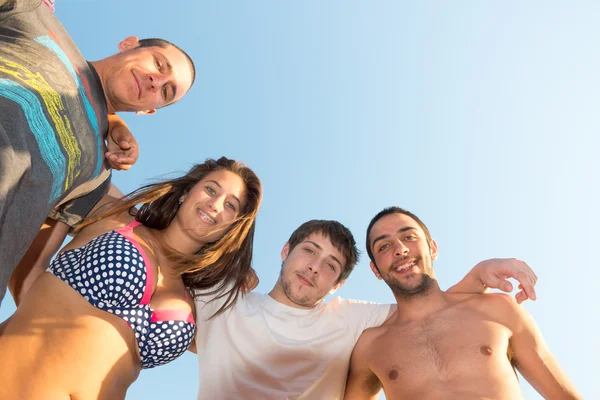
pixel 113 274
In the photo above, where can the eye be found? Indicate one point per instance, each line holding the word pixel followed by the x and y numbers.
pixel 158 63
pixel 410 237
pixel 164 92
pixel 230 205
pixel 331 266
pixel 383 247
pixel 309 250
pixel 210 191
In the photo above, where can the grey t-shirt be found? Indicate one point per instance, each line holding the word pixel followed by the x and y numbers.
pixel 52 128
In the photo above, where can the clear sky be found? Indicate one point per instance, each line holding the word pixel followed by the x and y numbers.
pixel 481 117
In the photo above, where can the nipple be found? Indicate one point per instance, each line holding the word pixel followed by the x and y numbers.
pixel 393 374
pixel 486 350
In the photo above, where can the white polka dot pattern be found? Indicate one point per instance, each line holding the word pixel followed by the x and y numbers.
pixel 110 273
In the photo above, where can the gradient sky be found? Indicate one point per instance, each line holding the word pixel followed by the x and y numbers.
pixel 480 117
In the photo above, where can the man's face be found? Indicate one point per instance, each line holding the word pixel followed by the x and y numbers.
pixel 403 258
pixel 146 78
pixel 310 271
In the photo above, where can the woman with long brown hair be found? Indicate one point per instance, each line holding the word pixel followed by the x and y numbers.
pixel 117 298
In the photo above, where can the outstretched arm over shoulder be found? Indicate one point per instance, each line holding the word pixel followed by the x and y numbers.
pixel 533 357
pixel 362 383
pixel 493 273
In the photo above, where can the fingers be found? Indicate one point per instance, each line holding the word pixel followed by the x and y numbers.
pixel 496 282
pixel 527 283
pixel 527 279
pixel 124 145
pixel 497 271
pixel 119 162
pixel 520 297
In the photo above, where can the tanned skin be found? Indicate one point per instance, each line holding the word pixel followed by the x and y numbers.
pixel 445 345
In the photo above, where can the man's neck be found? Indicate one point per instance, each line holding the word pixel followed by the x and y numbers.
pixel 421 306
pixel 100 70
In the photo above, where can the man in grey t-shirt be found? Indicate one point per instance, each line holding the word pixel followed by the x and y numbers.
pixel 53 118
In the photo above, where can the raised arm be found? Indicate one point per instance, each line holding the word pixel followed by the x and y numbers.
pixel 362 383
pixel 534 359
pixel 493 273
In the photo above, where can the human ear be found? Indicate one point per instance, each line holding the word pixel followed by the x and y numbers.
pixel 433 249
pixel 375 270
pixel 130 42
pixel 285 251
pixel 146 112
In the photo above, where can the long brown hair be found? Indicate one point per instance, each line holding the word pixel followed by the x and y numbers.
pixel 225 263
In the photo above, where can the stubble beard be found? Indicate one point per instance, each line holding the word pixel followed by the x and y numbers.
pixel 111 95
pixel 303 301
pixel 407 293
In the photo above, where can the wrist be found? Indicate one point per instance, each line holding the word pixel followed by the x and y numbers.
pixel 476 276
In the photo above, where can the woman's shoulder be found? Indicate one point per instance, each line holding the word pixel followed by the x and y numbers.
pixel 98 228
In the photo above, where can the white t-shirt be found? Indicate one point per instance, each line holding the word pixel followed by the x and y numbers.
pixel 262 349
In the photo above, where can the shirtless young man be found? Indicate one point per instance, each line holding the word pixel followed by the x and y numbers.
pixel 444 345
pixel 289 343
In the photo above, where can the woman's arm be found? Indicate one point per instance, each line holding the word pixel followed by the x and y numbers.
pixel 37 258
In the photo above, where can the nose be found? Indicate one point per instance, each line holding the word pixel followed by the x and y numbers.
pixel 312 267
pixel 400 250
pixel 216 204
pixel 156 81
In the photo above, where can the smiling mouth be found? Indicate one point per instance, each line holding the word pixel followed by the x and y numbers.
pixel 405 268
pixel 205 217
pixel 304 280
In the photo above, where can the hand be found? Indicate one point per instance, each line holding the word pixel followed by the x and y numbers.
pixel 251 281
pixel 123 150
pixel 494 273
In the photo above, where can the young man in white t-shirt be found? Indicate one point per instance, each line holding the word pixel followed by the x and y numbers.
pixel 289 344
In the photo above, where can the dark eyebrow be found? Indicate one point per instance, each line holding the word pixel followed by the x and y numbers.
pixel 320 248
pixel 385 236
pixel 221 187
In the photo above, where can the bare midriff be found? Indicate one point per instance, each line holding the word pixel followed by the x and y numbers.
pixel 58 346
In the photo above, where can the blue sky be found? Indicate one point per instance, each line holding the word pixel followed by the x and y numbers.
pixel 480 117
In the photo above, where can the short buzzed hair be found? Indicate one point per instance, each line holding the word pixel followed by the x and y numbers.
pixel 340 237
pixel 155 42
pixel 394 210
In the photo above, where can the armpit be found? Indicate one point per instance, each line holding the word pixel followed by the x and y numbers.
pixel 371 384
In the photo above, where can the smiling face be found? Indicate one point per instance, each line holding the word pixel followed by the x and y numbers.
pixel 403 258
pixel 309 272
pixel 211 206
pixel 145 78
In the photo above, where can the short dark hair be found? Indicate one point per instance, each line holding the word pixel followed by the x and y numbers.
pixel 394 210
pixel 338 234
pixel 154 42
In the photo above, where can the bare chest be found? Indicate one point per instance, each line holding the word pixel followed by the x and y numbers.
pixel 441 349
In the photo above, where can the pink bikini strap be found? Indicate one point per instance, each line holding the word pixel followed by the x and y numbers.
pixel 129 227
pixel 127 231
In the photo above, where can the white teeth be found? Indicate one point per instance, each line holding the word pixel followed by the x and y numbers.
pixel 405 267
pixel 206 217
